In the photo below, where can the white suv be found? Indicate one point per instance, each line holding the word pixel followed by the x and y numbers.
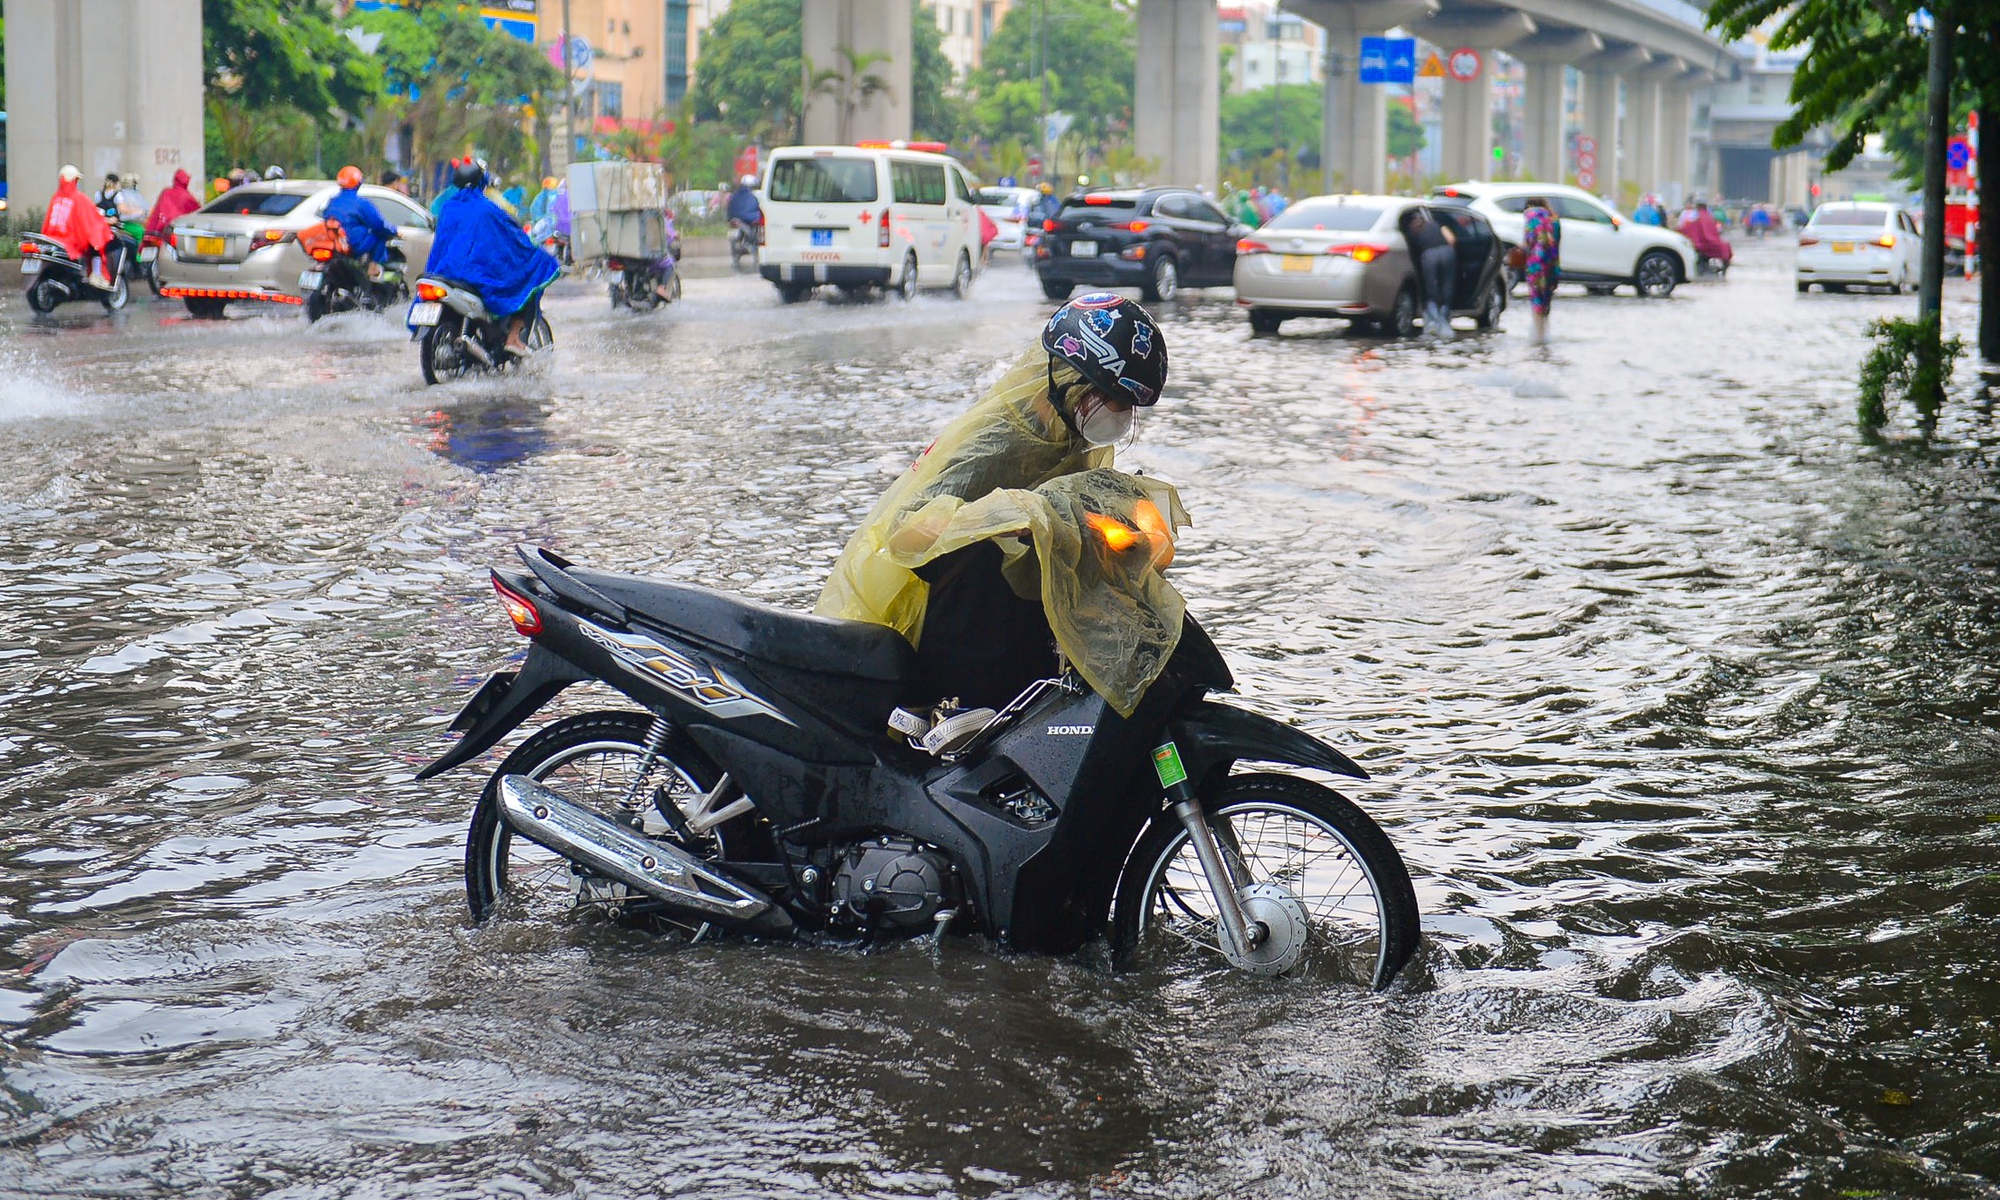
pixel 1600 248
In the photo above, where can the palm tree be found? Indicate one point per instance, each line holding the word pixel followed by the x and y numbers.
pixel 851 84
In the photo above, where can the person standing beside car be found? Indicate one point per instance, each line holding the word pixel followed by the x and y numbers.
pixel 1541 267
pixel 1433 247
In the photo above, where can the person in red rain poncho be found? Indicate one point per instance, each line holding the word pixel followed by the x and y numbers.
pixel 75 222
pixel 175 201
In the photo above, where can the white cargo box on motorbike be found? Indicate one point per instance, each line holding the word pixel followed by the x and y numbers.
pixel 617 210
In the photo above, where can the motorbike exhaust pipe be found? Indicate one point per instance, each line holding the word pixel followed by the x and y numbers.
pixel 664 872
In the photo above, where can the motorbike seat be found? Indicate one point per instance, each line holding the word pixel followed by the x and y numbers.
pixel 801 641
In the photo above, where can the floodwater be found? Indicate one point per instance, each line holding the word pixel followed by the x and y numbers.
pixel 1679 695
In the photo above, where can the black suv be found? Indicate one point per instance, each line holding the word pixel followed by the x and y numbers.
pixel 1158 240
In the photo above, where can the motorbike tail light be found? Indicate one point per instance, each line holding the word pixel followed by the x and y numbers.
pixel 1886 241
pixel 322 254
pixel 426 290
pixel 520 610
pixel 614 264
pixel 882 231
pixel 1048 226
pixel 1252 246
pixel 29 249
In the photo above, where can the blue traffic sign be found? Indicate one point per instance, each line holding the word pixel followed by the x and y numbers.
pixel 1388 60
pixel 1957 154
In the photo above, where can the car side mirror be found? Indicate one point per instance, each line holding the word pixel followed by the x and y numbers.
pixel 1240 230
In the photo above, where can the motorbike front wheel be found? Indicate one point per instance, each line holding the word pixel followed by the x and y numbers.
pixel 591 760
pixel 1319 875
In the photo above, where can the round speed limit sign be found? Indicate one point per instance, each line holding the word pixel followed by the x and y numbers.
pixel 1463 64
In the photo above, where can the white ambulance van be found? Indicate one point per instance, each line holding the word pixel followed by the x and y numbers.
pixel 892 215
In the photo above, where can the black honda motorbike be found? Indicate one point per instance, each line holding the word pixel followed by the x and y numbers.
pixel 459 337
pixel 643 286
pixel 756 787
pixel 339 283
pixel 55 277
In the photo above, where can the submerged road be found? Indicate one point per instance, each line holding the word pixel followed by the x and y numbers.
pixel 1679 695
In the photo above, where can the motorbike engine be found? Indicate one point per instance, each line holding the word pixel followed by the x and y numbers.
pixel 893 885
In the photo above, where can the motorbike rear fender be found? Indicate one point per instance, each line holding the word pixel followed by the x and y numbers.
pixel 1211 737
pixel 500 707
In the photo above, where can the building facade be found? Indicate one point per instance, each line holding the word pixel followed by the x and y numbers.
pixel 964 28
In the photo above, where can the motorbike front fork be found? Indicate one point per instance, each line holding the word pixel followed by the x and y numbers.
pixel 1238 934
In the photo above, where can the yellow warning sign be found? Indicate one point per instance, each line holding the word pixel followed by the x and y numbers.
pixel 1433 67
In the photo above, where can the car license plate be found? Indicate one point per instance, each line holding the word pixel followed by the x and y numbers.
pixel 822 237
pixel 149 254
pixel 309 281
pixel 426 312
pixel 211 247
pixel 1298 262
pixel 1843 247
pixel 1083 249
pixel 31 266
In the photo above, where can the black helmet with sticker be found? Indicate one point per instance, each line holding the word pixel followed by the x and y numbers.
pixel 1113 343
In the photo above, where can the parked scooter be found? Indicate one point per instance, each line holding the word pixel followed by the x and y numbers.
pixel 459 337
pixel 57 278
pixel 763 780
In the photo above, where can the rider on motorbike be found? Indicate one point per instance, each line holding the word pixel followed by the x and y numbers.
pixel 368 235
pixel 743 204
pixel 175 201
pixel 480 245
pixel 80 226
pixel 941 559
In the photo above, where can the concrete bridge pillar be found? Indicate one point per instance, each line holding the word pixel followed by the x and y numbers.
pixel 1545 55
pixel 1176 98
pixel 1601 79
pixel 108 85
pixel 1467 152
pixel 1676 132
pixel 1354 141
pixel 1645 94
pixel 840 35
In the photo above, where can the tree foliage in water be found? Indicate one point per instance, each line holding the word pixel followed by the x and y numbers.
pixel 1909 361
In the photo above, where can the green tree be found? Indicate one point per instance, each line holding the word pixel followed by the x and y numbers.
pixel 284 54
pixel 935 113
pixel 1090 63
pixel 1406 133
pixel 459 86
pixel 1257 124
pixel 750 69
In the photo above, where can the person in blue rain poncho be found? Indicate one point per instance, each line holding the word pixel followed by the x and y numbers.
pixel 479 245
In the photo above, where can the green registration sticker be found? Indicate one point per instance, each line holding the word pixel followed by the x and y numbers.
pixel 1167 762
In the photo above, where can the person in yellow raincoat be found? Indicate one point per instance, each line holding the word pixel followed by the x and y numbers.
pixel 1011 537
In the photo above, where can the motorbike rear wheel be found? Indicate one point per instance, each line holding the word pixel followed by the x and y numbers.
pixel 592 760
pixel 443 358
pixel 1308 862
pixel 43 297
pixel 316 305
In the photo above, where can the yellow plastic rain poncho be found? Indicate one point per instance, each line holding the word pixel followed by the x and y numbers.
pixel 1097 539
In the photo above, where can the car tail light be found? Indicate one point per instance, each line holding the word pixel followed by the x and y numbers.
pixel 1360 251
pixel 1134 226
pixel 426 290
pixel 272 237
pixel 1886 241
pixel 1132 253
pixel 760 233
pixel 1807 239
pixel 882 231
pixel 520 610
pixel 1252 246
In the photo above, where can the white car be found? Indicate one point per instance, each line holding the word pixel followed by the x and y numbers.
pixel 889 216
pixel 1008 207
pixel 1861 243
pixel 1601 248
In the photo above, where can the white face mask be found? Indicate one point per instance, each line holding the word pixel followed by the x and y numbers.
pixel 1101 424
